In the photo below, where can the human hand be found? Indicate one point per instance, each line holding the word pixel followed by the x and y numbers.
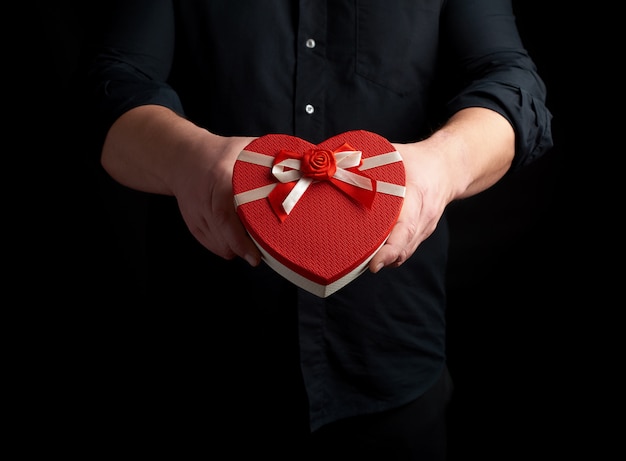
pixel 428 192
pixel 205 198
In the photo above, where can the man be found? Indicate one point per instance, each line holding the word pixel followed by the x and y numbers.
pixel 178 89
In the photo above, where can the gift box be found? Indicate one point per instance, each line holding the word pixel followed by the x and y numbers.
pixel 318 213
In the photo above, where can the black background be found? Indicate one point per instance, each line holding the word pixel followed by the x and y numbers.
pixel 523 311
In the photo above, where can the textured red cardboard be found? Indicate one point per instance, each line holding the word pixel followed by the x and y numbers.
pixel 318 213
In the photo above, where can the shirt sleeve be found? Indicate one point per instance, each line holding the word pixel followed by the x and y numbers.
pixel 129 63
pixel 496 72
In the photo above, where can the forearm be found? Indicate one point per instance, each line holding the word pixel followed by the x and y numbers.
pixel 477 146
pixel 147 145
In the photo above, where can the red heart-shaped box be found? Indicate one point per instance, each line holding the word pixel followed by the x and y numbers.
pixel 334 226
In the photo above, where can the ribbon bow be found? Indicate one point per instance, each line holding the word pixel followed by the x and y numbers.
pixel 297 171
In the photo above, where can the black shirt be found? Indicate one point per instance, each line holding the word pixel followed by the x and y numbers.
pixel 313 69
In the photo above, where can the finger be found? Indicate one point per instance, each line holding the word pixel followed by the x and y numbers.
pixel 241 244
pixel 228 238
pixel 395 250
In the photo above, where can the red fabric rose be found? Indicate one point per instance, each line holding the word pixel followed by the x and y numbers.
pixel 318 164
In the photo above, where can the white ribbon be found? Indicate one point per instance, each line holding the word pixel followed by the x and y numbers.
pixel 345 159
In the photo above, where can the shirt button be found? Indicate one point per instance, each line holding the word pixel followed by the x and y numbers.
pixel 309 109
pixel 310 43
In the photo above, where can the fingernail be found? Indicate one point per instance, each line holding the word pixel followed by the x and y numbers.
pixel 251 260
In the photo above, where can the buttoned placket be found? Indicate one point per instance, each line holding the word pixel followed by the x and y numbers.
pixel 309 87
